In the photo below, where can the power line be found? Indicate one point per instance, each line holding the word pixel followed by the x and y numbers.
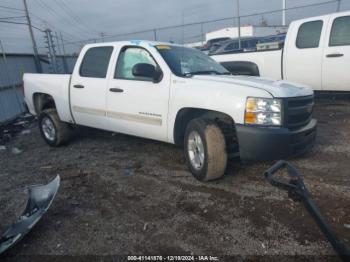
pixel 71 36
pixel 21 23
pixel 14 38
pixel 38 66
pixel 39 18
pixel 2 20
pixel 73 25
pixel 11 22
pixel 291 8
pixel 12 17
pixel 205 22
pixel 48 23
pixel 73 15
pixel 11 8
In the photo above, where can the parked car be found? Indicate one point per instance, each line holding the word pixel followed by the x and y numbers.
pixel 271 42
pixel 215 46
pixel 232 45
pixel 272 38
pixel 177 95
pixel 316 53
pixel 210 43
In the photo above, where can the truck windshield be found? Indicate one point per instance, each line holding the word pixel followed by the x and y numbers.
pixel 185 61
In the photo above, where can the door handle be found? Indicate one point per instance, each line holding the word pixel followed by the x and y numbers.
pixel 335 55
pixel 78 86
pixel 116 90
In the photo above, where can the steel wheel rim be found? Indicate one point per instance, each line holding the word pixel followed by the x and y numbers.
pixel 195 149
pixel 48 129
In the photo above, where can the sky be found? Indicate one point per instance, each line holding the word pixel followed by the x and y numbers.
pixel 83 21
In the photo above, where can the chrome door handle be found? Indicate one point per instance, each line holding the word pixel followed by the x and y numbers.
pixel 335 55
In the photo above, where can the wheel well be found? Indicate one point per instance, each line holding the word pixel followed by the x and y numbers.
pixel 42 102
pixel 242 68
pixel 224 121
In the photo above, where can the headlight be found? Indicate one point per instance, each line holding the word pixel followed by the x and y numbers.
pixel 263 111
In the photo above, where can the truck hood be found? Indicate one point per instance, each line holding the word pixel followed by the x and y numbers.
pixel 277 88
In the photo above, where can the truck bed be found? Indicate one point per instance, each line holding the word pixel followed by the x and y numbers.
pixel 269 62
pixel 55 85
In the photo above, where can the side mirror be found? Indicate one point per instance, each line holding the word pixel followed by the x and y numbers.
pixel 147 70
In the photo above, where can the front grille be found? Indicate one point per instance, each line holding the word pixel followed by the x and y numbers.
pixel 298 111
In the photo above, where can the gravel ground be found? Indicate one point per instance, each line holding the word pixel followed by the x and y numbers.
pixel 126 195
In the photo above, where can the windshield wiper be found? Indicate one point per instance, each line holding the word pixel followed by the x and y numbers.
pixel 205 72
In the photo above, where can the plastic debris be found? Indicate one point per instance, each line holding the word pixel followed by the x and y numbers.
pixel 27 115
pixel 39 201
pixel 127 172
pixel 25 132
pixel 293 183
pixel 46 167
pixel 16 151
pixel 21 123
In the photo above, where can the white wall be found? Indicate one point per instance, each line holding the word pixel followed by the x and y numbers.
pixel 230 32
pixel 193 45
pixel 265 31
pixel 246 31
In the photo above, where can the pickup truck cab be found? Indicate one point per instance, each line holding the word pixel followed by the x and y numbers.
pixel 177 95
pixel 316 53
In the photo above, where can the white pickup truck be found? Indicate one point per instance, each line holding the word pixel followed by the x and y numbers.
pixel 177 95
pixel 316 53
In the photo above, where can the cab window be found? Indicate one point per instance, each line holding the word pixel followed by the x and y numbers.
pixel 309 34
pixel 95 62
pixel 232 46
pixel 129 57
pixel 340 34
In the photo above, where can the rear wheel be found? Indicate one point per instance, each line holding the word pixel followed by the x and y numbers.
pixel 205 149
pixel 52 129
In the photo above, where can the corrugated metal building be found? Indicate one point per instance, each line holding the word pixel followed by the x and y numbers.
pixel 12 69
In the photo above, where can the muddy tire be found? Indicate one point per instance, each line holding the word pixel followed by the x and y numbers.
pixel 52 129
pixel 205 149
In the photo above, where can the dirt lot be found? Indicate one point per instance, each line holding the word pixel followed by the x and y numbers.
pixel 126 195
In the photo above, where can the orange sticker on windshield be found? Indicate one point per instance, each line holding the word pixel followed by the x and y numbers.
pixel 162 47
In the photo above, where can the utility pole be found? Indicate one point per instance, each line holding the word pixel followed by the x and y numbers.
pixel 65 65
pixel 183 27
pixel 155 34
pixel 8 76
pixel 239 26
pixel 51 50
pixel 338 6
pixel 35 48
pixel 202 34
pixel 60 52
pixel 284 5
pixel 58 44
pixel 102 35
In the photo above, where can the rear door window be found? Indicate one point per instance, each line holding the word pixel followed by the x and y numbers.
pixel 309 34
pixel 340 33
pixel 95 62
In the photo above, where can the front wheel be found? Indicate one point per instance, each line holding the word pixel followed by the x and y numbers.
pixel 205 149
pixel 52 129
